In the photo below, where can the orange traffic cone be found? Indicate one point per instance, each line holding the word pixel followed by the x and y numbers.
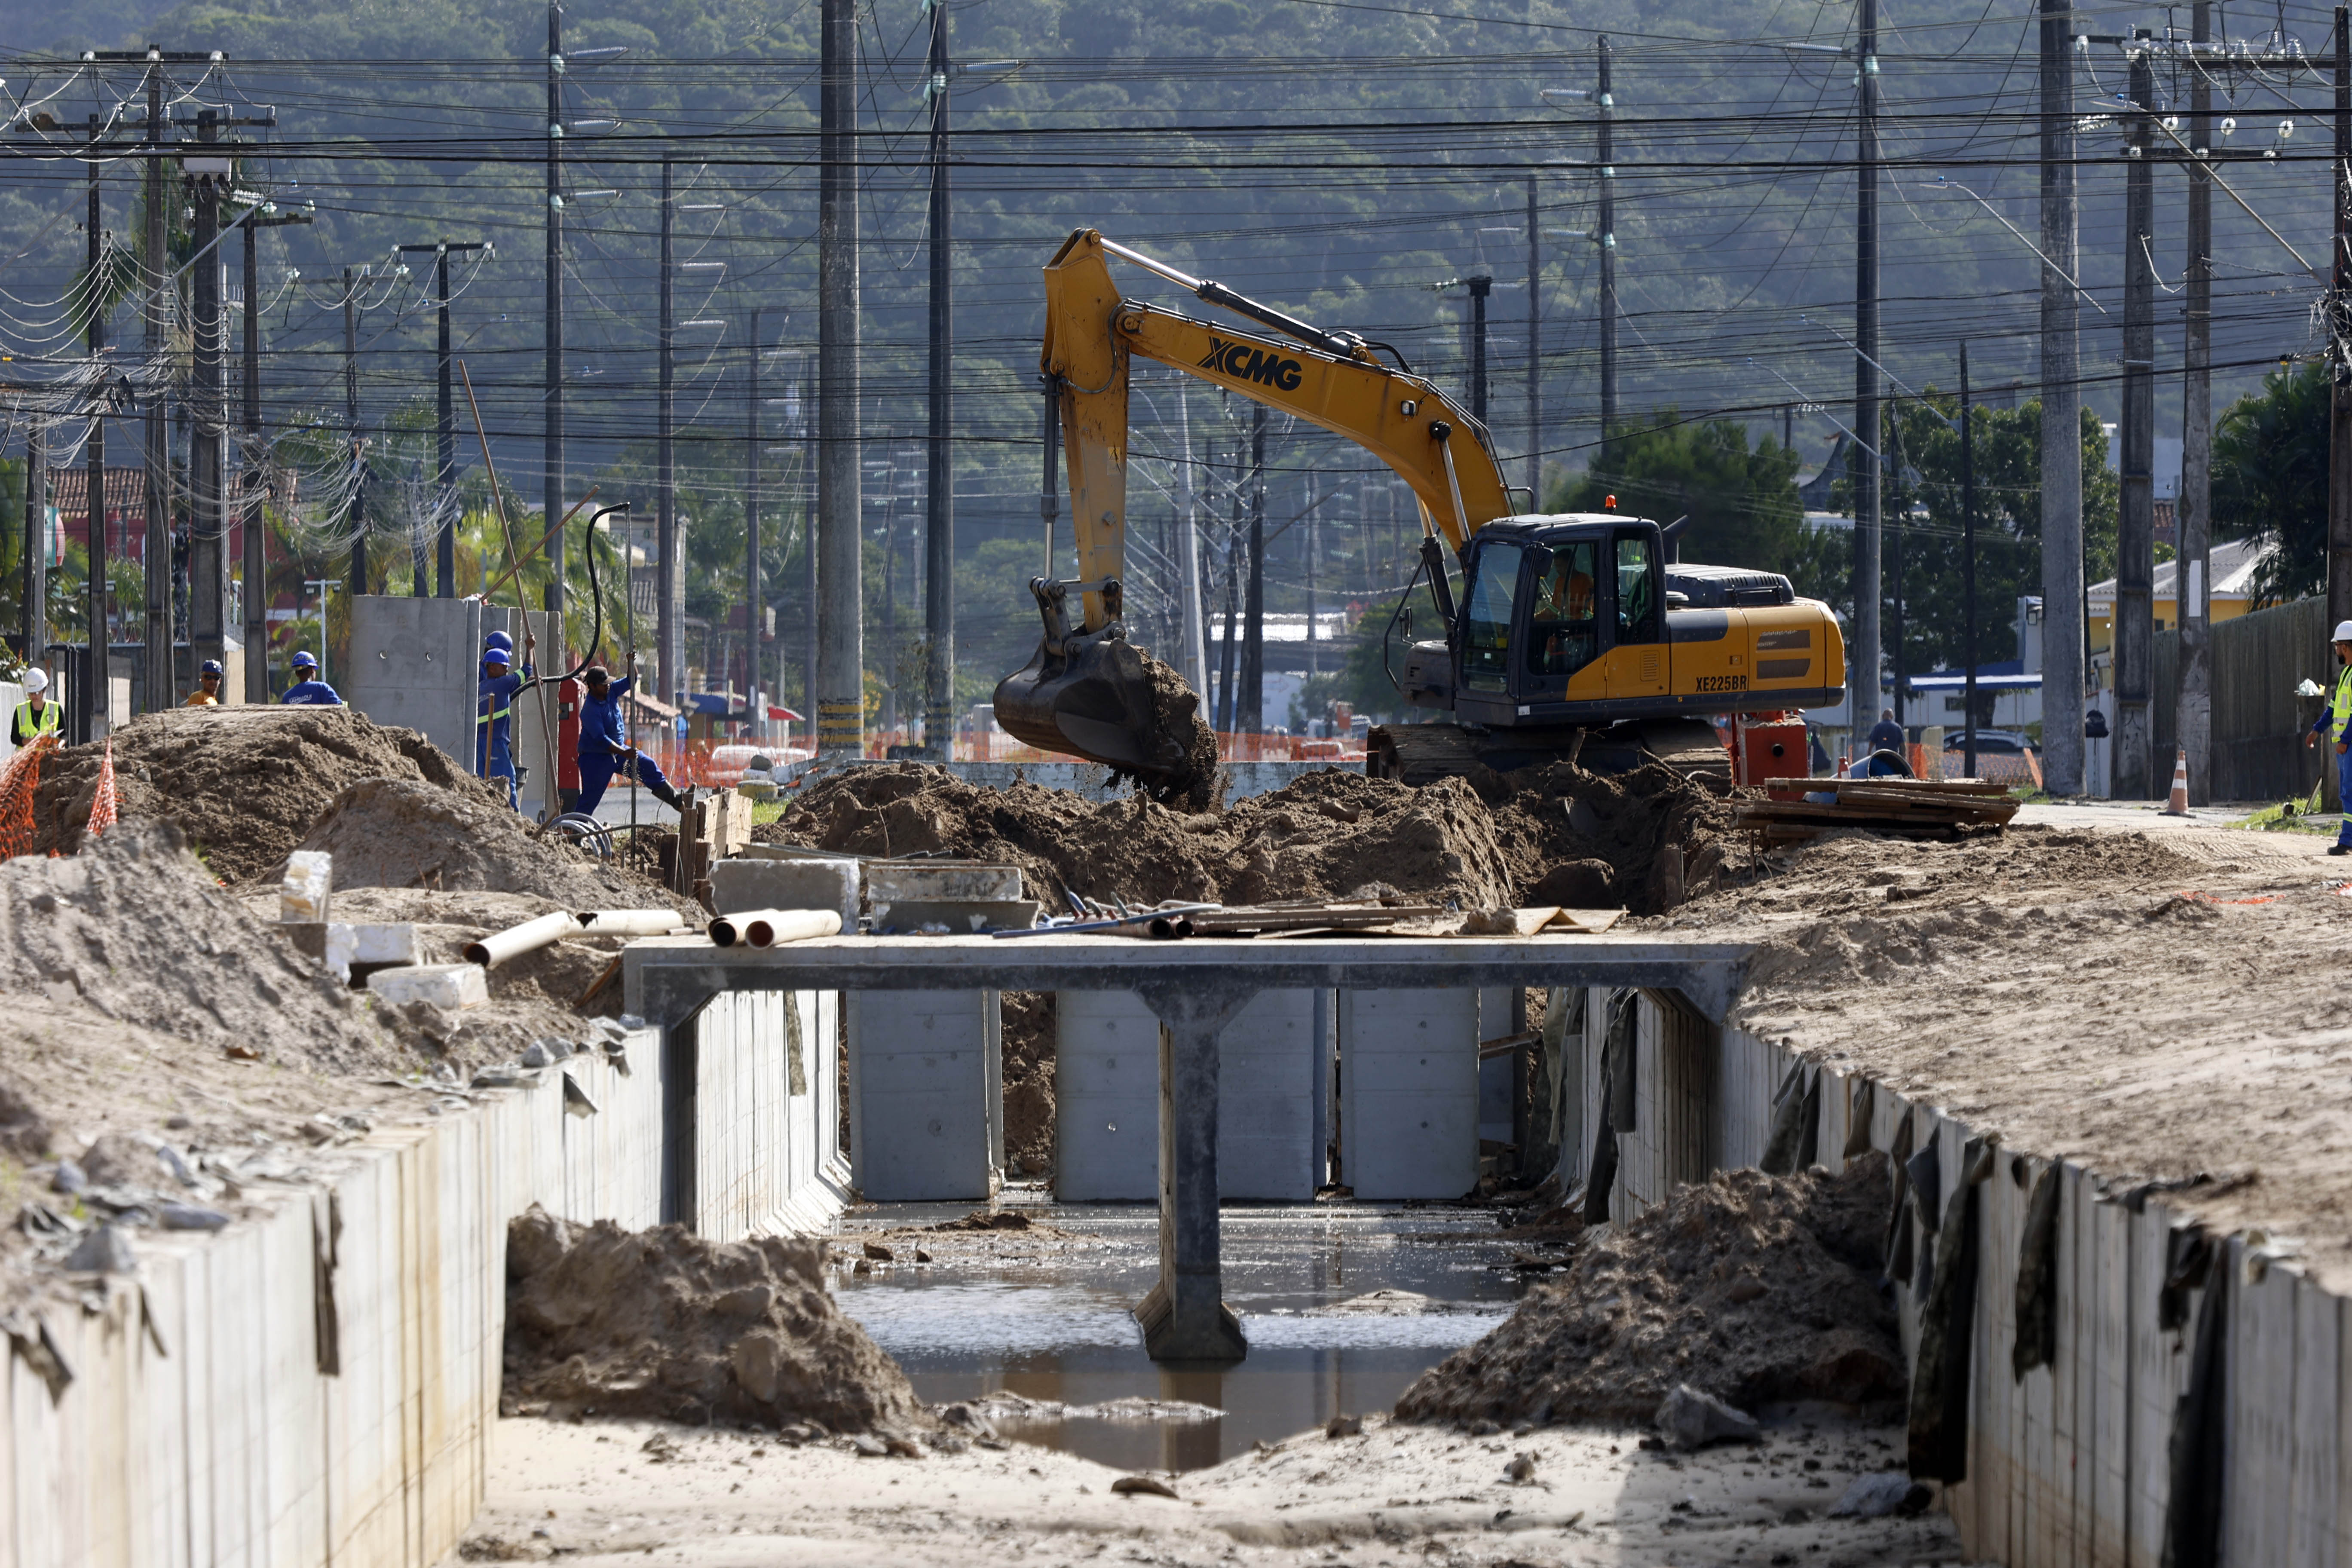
pixel 2176 803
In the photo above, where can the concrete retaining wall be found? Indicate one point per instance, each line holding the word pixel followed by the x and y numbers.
pixel 316 1385
pixel 2068 1464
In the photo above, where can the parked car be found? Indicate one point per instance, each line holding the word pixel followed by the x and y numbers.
pixel 2009 740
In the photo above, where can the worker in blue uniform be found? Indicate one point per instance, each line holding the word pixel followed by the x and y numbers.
pixel 2335 723
pixel 308 689
pixel 494 709
pixel 604 750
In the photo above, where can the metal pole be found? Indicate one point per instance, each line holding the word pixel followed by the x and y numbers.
pixel 35 586
pixel 445 543
pixel 669 671
pixel 208 421
pixel 1188 556
pixel 159 690
pixel 751 614
pixel 1868 473
pixel 94 703
pixel 551 374
pixel 1606 103
pixel 355 514
pixel 812 623
pixel 938 537
pixel 2134 636
pixel 1969 567
pixel 2061 414
pixel 1480 287
pixel 2192 712
pixel 256 543
pixel 1251 718
pixel 2340 347
pixel 841 611
pixel 1535 354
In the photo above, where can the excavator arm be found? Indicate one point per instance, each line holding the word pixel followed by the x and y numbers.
pixel 1330 379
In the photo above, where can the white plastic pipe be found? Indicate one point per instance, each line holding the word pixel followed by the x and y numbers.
pixel 765 928
pixel 516 941
pixel 630 922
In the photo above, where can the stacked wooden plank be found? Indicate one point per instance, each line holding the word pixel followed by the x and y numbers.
pixel 1908 808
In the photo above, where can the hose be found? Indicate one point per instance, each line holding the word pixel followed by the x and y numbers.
pixel 596 595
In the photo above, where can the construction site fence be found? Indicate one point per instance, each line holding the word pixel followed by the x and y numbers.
pixel 2258 722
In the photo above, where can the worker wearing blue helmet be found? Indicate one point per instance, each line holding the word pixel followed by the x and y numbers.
pixel 208 686
pixel 494 708
pixel 308 689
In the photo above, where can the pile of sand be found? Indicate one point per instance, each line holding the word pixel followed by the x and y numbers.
pixel 1754 1289
pixel 134 930
pixel 663 1323
pixel 406 833
pixel 245 783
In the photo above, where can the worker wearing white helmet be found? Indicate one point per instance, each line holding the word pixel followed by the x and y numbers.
pixel 2336 722
pixel 37 715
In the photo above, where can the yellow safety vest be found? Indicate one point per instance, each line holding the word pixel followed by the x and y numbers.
pixel 30 725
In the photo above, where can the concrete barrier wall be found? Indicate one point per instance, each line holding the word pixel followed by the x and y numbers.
pixel 316 1385
pixel 767 1149
pixel 2069 1464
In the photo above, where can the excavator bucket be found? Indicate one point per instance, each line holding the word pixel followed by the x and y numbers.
pixel 1098 696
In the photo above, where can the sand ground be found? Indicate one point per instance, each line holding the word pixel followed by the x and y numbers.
pixel 608 1492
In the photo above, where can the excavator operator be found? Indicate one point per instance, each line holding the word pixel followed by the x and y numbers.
pixel 1565 635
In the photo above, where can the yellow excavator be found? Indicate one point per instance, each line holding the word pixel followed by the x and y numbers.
pixel 1573 636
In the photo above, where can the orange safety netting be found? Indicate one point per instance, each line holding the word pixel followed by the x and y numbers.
pixel 101 809
pixel 18 783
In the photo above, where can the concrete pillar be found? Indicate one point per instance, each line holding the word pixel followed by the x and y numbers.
pixel 1184 1317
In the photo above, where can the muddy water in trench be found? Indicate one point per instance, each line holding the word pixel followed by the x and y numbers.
pixel 1059 1327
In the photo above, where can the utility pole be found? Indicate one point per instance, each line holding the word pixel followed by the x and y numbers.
pixel 1862 686
pixel 669 665
pixel 551 374
pixel 1969 567
pixel 2340 347
pixel 1535 354
pixel 156 677
pixel 812 623
pixel 938 537
pixel 2193 711
pixel 1604 103
pixel 208 422
pixel 1194 641
pixel 2135 609
pixel 841 608
pixel 1251 718
pixel 751 615
pixel 256 538
pixel 445 541
pixel 355 497
pixel 94 698
pixel 1480 287
pixel 35 586
pixel 2062 415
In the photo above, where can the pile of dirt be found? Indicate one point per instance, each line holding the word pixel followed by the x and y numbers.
pixel 1028 1056
pixel 1754 1289
pixel 1176 710
pixel 1643 841
pixel 665 1324
pixel 1324 834
pixel 406 833
pixel 135 929
pixel 245 783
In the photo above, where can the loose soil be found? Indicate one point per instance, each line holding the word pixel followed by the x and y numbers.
pixel 668 1324
pixel 244 782
pixel 1759 1290
pixel 1176 711
pixel 1028 1056
pixel 1325 835
pixel 409 833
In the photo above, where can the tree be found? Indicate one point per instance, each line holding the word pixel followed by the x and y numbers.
pixel 2269 476
pixel 1742 504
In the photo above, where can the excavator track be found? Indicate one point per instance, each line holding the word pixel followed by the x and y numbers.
pixel 1419 755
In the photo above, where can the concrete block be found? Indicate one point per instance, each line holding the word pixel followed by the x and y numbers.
pixel 742 885
pixel 446 985
pixel 1107 1094
pixel 1409 1096
pixel 309 878
pixel 921 1072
